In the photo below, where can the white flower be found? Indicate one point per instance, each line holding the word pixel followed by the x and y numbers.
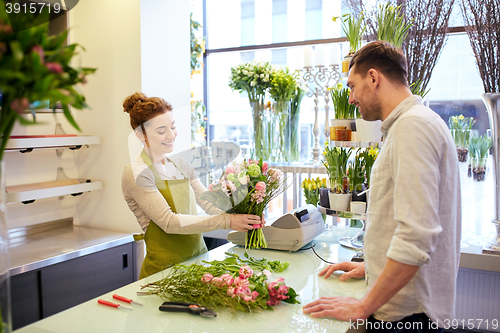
pixel 245 72
pixel 244 180
pixel 256 76
pixel 262 76
pixel 253 83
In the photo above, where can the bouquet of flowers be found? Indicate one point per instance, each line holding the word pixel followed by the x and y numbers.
pixel 247 188
pixel 236 283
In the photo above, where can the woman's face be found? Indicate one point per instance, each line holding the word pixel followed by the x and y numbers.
pixel 161 133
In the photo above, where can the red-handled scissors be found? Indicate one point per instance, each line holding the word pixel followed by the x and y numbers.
pixel 124 299
pixel 114 305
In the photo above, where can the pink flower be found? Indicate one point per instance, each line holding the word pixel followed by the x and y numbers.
pixel 245 272
pixel 255 294
pixel 231 291
pixel 218 281
pixel 264 167
pixel 241 282
pixel 275 174
pixel 211 187
pixel 260 187
pixel 227 279
pixel 283 290
pixel 20 104
pixel 54 67
pixel 39 50
pixel 207 277
pixel 267 273
pixel 231 185
pixel 258 197
pixel 229 170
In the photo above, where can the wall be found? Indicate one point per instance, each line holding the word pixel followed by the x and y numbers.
pixel 135 45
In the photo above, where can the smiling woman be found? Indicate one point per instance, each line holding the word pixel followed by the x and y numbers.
pixel 162 191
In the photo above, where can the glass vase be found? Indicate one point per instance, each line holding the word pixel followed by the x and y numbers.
pixel 492 102
pixel 294 130
pixel 5 316
pixel 259 147
pixel 281 131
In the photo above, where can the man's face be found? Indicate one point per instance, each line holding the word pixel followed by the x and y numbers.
pixel 363 95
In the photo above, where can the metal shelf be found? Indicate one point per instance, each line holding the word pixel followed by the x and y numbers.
pixel 86 185
pixel 355 144
pixel 346 215
pixel 73 142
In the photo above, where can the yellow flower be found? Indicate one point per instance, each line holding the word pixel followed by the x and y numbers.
pixel 461 117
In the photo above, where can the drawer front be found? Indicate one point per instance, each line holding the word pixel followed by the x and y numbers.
pixel 78 280
pixel 25 297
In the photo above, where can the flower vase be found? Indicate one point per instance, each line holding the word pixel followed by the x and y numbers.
pixel 259 146
pixel 281 151
pixel 461 138
pixel 492 102
pixel 294 130
pixel 5 317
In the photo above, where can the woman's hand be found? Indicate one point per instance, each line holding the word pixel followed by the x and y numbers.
pixel 352 269
pixel 245 222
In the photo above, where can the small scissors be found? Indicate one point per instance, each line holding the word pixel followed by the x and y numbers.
pixel 189 308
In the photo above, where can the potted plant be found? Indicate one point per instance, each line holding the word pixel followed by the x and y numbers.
pixel 335 162
pixel 391 24
pixel 356 174
pixel 369 156
pixel 354 29
pixel 460 128
pixel 344 113
pixel 35 70
pixel 483 146
pixel 472 155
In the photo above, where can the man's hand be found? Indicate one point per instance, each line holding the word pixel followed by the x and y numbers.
pixel 353 270
pixel 342 308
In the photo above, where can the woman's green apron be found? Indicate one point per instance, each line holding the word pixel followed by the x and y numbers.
pixel 162 249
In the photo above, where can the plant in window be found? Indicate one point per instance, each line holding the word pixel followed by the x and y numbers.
pixel 254 78
pixel 483 145
pixel 198 118
pixel 460 128
pixel 283 87
pixel 472 155
pixel 354 29
pixel 391 24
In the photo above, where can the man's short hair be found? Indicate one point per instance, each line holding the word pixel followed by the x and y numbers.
pixel 385 58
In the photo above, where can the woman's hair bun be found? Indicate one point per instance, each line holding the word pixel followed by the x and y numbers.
pixel 132 100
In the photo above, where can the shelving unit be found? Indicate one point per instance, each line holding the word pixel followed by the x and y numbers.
pixel 346 215
pixel 356 144
pixel 50 191
pixel 30 143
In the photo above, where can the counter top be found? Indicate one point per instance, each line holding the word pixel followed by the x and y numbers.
pixel 301 275
pixel 66 242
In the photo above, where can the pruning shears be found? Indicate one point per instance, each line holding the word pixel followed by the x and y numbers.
pixel 189 308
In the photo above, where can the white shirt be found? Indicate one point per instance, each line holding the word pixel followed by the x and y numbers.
pixel 414 212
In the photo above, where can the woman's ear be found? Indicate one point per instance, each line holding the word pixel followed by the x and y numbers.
pixel 139 134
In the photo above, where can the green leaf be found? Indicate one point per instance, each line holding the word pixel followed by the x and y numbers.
pixel 69 117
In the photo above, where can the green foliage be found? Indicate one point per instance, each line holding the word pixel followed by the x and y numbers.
pixel 417 89
pixel 369 156
pixel 184 284
pixel 311 189
pixel 335 162
pixel 283 85
pixel 353 29
pixel 460 128
pixel 356 173
pixel 391 25
pixel 340 100
pixel 197 46
pixel 35 67
pixel 483 146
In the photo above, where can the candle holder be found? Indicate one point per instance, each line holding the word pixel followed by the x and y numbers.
pixel 318 79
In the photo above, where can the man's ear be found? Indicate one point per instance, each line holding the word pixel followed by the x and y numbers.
pixel 374 77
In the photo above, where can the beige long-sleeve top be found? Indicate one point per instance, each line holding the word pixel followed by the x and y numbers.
pixel 414 212
pixel 147 203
